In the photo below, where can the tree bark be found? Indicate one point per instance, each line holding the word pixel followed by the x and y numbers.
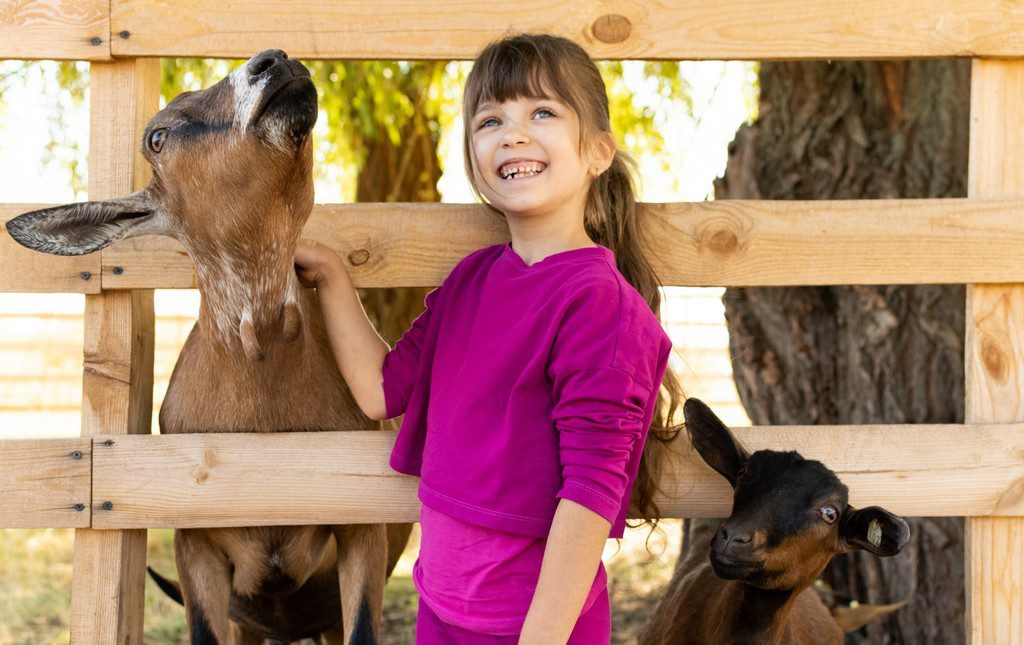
pixel 860 354
pixel 407 172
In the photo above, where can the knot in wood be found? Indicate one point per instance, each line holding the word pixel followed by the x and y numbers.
pixel 612 28
pixel 994 359
pixel 359 256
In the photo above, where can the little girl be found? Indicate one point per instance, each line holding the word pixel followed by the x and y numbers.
pixel 530 381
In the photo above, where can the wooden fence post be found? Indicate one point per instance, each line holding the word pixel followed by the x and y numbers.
pixel 107 589
pixel 994 353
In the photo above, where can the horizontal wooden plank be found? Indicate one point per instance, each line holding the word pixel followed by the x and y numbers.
pixel 344 477
pixel 42 481
pixel 55 29
pixel 682 29
pixel 723 243
pixel 26 271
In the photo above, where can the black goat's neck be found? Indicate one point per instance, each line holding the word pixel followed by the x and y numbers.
pixel 761 615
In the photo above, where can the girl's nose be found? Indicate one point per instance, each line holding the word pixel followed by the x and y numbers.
pixel 514 135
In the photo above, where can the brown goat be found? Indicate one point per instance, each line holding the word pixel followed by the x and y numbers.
pixel 790 516
pixel 232 182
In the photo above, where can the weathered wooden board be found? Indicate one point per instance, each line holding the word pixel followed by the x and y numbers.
pixel 344 477
pixel 107 593
pixel 724 243
pixel 45 483
pixel 994 354
pixel 681 29
pixel 55 29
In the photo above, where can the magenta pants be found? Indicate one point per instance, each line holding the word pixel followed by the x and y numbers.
pixel 593 627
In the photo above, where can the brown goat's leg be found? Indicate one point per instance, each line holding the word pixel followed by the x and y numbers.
pixel 205 587
pixel 241 636
pixel 362 568
pixel 334 636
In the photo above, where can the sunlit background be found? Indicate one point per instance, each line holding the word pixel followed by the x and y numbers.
pixel 44 137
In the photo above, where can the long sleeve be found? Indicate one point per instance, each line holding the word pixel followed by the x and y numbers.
pixel 599 416
pixel 605 369
pixel 401 363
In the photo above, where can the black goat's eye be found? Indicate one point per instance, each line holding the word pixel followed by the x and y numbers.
pixel 157 139
pixel 829 514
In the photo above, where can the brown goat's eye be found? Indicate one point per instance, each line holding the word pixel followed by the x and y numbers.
pixel 829 514
pixel 742 471
pixel 157 139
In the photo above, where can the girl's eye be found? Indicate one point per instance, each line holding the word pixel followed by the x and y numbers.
pixel 488 120
pixel 829 514
pixel 544 111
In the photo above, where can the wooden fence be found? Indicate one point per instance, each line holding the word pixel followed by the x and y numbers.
pixel 111 486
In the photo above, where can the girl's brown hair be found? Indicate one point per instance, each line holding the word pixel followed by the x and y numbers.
pixel 527 66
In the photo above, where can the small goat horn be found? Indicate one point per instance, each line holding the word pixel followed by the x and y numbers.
pixel 250 345
pixel 292 321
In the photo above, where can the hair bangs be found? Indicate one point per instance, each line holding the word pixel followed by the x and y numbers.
pixel 513 69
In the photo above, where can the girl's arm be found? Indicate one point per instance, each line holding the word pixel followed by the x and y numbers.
pixel 357 347
pixel 571 557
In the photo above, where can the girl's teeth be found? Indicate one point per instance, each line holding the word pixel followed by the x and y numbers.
pixel 526 170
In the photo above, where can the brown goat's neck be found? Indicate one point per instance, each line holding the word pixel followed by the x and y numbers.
pixel 761 615
pixel 250 279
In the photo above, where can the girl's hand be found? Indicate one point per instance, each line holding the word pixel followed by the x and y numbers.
pixel 315 263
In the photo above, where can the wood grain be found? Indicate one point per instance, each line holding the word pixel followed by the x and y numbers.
pixel 994 354
pixel 726 243
pixel 55 29
pixel 343 477
pixel 45 483
pixel 107 591
pixel 680 29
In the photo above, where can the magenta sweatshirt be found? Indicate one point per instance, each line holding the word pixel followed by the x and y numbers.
pixel 525 384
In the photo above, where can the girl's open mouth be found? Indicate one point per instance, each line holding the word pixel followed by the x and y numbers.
pixel 518 171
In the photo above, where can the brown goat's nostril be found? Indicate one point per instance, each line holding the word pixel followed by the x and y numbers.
pixel 265 60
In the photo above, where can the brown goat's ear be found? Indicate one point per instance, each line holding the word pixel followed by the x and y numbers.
pixel 874 529
pixel 77 229
pixel 713 440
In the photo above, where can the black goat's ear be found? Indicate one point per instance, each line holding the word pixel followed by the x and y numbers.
pixel 77 229
pixel 874 529
pixel 713 440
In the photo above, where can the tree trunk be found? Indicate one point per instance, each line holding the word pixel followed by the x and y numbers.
pixel 860 354
pixel 407 172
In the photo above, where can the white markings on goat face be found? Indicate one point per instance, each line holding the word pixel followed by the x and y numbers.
pixel 247 94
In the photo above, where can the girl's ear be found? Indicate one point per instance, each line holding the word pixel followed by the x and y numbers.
pixel 603 153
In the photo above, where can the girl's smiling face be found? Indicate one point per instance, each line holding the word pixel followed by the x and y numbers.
pixel 526 156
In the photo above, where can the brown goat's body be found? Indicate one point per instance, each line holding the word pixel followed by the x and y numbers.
pixel 284 579
pixel 215 388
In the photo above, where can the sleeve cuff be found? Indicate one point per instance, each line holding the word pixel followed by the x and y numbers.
pixel 590 497
pixel 394 402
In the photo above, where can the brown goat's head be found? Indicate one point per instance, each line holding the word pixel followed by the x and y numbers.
pixel 217 155
pixel 790 515
pixel 232 181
